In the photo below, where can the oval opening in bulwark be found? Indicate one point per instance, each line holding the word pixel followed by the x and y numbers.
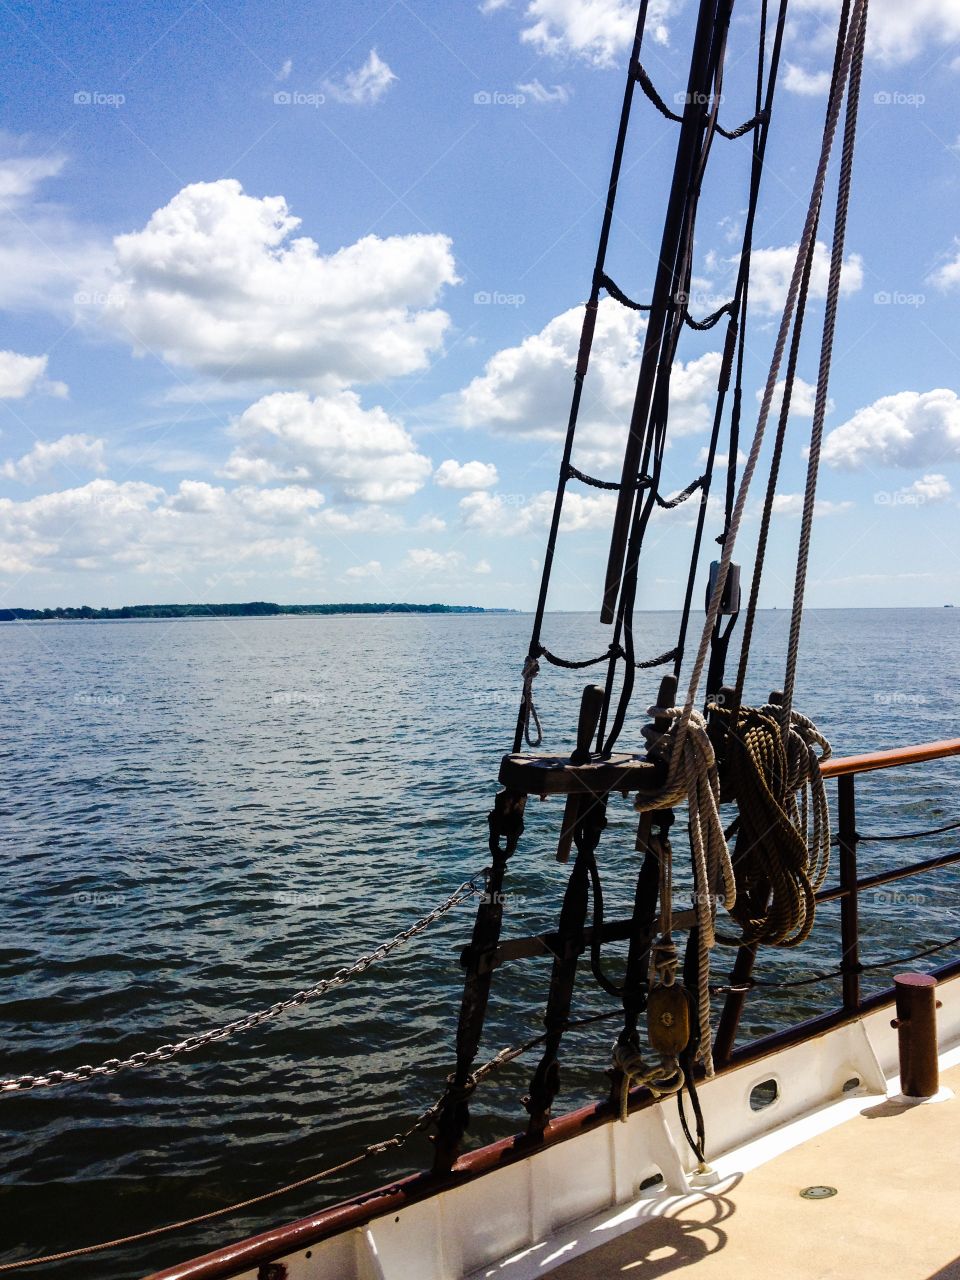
pixel 764 1094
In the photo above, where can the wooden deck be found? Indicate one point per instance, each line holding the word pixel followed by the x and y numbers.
pixel 896 1214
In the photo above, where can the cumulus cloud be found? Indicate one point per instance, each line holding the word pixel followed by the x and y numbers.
pixel 465 475
pixel 929 488
pixel 772 269
pixel 797 80
pixel 908 429
pixel 539 93
pixel 598 32
pixel 721 459
pixel 217 282
pixel 897 32
pixel 791 504
pixel 947 276
pixel 525 390
pixel 19 375
pixel 362 454
pixel 430 563
pixel 506 516
pixel 75 452
pixel 372 569
pixel 803 399
pixel 107 525
pixel 364 86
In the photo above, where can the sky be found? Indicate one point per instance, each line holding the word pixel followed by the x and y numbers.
pixel 290 299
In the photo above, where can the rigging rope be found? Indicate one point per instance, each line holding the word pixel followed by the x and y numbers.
pixel 832 975
pixel 570 664
pixel 826 353
pixel 770 387
pixel 650 92
pixel 910 835
pixel 788 385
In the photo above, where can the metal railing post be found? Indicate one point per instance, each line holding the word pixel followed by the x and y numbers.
pixel 849 905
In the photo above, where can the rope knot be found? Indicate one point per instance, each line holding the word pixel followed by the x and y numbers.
pixel 531 669
pixel 662 1078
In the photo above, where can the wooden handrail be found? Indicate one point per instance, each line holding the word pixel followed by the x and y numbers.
pixel 890 759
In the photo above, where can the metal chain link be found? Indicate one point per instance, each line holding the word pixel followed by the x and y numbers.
pixel 190 1044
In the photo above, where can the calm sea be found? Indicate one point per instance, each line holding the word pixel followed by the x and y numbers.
pixel 201 817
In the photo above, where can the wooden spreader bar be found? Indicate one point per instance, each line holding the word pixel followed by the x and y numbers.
pixel 546 944
pixel 542 775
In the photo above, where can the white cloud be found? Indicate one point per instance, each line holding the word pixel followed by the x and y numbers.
pixel 362 454
pixel 797 80
pixel 897 32
pixel 721 459
pixel 108 526
pixel 431 524
pixel 525 390
pixel 19 375
pixel 430 563
pixel 44 256
pixel 465 475
pixel 483 567
pixel 772 269
pixel 540 94
pixel 947 276
pixel 597 31
pixel 78 452
pixel 791 504
pixel 21 175
pixel 908 429
pixel 372 569
pixel 216 283
pixel 364 86
pixel 929 488
pixel 803 399
pixel 284 72
pixel 506 516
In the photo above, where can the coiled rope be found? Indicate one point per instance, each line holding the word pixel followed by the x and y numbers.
pixel 782 850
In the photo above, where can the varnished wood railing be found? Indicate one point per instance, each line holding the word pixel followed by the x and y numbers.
pixel 845 769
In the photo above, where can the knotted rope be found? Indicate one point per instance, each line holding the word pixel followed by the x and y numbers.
pixel 662 1078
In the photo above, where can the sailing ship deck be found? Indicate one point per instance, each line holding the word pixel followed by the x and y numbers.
pixel 896 1169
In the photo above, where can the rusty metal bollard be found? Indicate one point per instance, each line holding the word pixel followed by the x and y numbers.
pixel 916 1024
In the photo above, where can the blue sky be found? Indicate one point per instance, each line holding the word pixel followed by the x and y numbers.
pixel 289 299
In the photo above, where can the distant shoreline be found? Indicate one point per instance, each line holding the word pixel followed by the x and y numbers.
pixel 262 609
pixel 251 609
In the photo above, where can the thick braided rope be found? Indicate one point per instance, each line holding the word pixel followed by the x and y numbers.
pixel 859 28
pixel 779 861
pixel 692 779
